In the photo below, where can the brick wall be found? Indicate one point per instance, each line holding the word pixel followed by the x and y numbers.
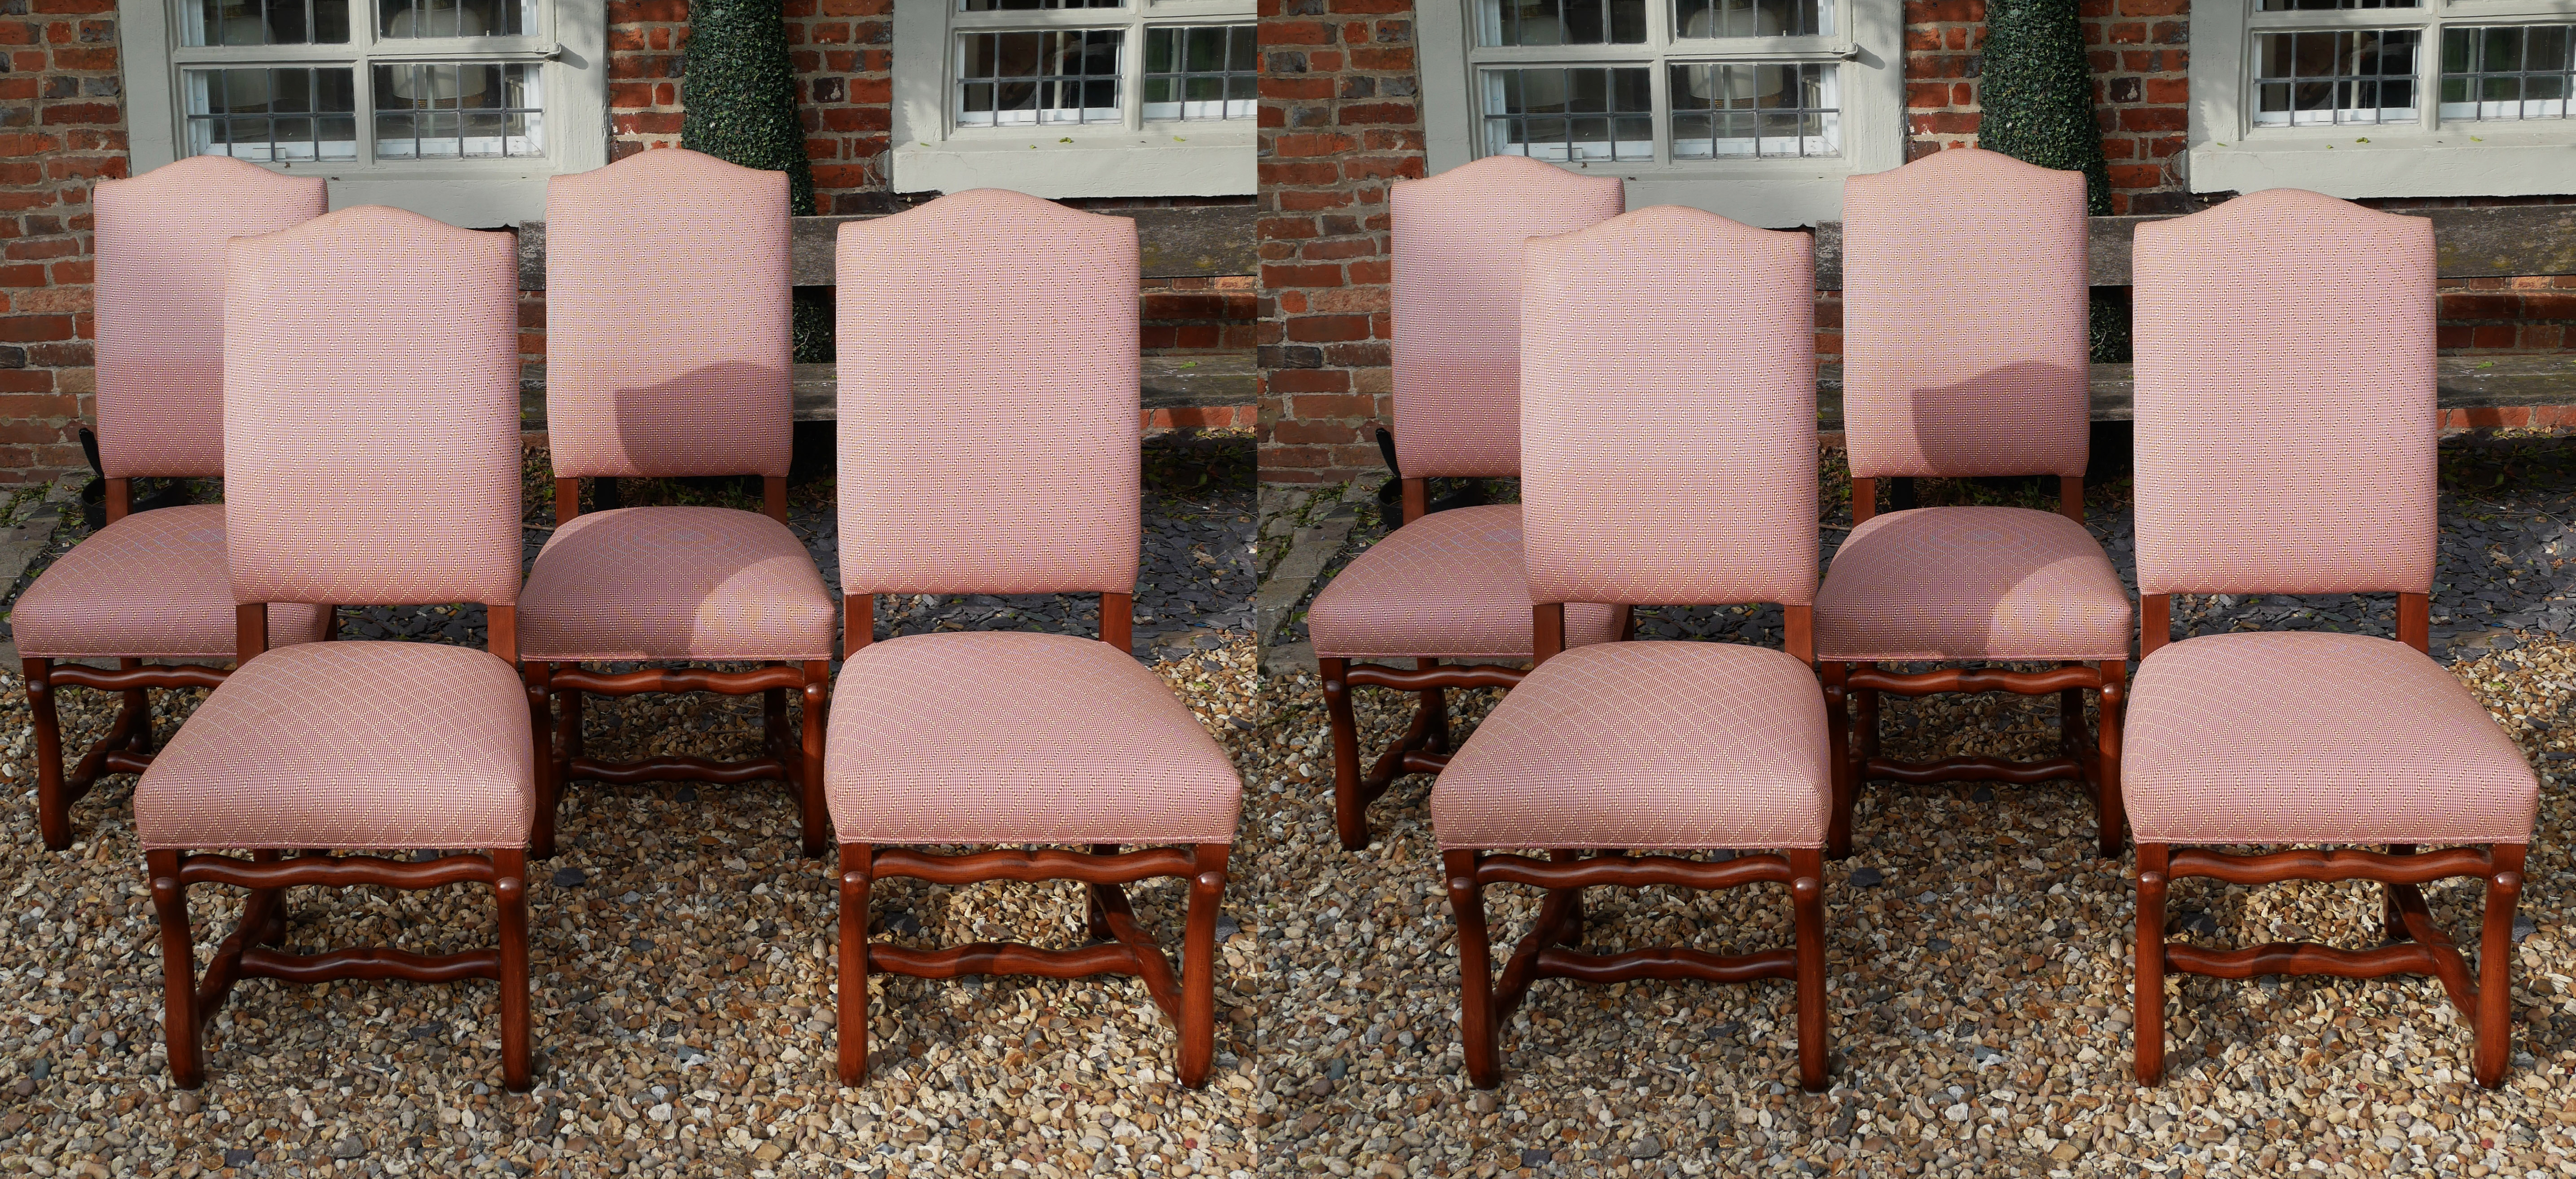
pixel 62 129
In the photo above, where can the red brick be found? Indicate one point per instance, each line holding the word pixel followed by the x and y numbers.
pixel 1301 380
pixel 1325 328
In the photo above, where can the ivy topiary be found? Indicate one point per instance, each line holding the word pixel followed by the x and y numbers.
pixel 2037 92
pixel 738 93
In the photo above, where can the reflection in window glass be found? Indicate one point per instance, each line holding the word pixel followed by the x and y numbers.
pixel 1022 79
pixel 2506 71
pixel 1751 109
pixel 455 18
pixel 1752 18
pixel 1570 115
pixel 1033 5
pixel 1201 72
pixel 2362 76
pixel 272 115
pixel 1561 22
pixel 458 110
pixel 264 22
pixel 2333 5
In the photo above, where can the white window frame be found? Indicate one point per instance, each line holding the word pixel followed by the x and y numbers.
pixel 1867 46
pixel 2427 158
pixel 1131 158
pixel 571 39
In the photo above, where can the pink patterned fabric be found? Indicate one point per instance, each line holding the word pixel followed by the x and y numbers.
pixel 675 583
pixel 349 745
pixel 2306 737
pixel 2285 419
pixel 371 412
pixel 1015 737
pixel 988 399
pixel 1645 745
pixel 1965 331
pixel 666 319
pixel 1971 583
pixel 1456 242
pixel 1450 585
pixel 1668 412
pixel 151 584
pixel 160 257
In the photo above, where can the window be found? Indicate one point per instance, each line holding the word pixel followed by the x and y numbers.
pixel 1757 109
pixel 458 109
pixel 1074 98
pixel 2364 98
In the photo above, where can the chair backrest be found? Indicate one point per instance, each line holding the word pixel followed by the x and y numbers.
pixel 1456 243
pixel 371 412
pixel 988 399
pixel 1668 412
pixel 667 319
pixel 160 299
pixel 2285 399
pixel 1966 334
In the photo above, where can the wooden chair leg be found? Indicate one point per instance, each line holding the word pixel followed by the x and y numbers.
pixel 180 1026
pixel 2110 810
pixel 811 731
pixel 2495 965
pixel 568 743
pixel 541 835
pixel 1198 964
pixel 1476 1024
pixel 138 704
pixel 2391 915
pixel 773 720
pixel 1350 811
pixel 53 802
pixel 1435 711
pixel 851 1011
pixel 2148 1026
pixel 1807 894
pixel 510 892
pixel 1865 724
pixel 1838 832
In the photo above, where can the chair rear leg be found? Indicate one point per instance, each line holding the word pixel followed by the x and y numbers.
pixel 811 730
pixel 2148 1026
pixel 138 705
pixel 1198 963
pixel 1476 1025
pixel 1838 833
pixel 2495 965
pixel 1865 727
pixel 180 1027
pixel 2110 810
pixel 53 802
pixel 1435 711
pixel 850 1019
pixel 541 836
pixel 510 891
pixel 2392 917
pixel 568 742
pixel 1350 811
pixel 1807 895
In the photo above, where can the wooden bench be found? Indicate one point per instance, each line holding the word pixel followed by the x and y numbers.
pixel 2464 382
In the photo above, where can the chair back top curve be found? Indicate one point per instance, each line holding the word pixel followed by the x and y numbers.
pixel 160 299
pixel 371 412
pixel 1966 328
pixel 2285 399
pixel 1456 243
pixel 667 319
pixel 989 433
pixel 1662 466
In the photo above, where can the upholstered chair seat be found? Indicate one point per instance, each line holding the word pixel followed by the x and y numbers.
pixel 675 583
pixel 151 585
pixel 1971 583
pixel 1017 737
pixel 1450 586
pixel 1646 745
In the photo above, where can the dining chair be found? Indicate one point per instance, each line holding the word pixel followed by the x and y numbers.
pixel 1448 585
pixel 1658 468
pixel 2285 446
pixel 989 445
pixel 666 356
pixel 371 457
pixel 151 585
pixel 1965 353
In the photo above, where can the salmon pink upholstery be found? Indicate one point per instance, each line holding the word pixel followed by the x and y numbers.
pixel 988 399
pixel 371 412
pixel 1966 338
pixel 674 583
pixel 160 258
pixel 2310 737
pixel 349 745
pixel 1645 745
pixel 666 319
pixel 1015 737
pixel 1668 412
pixel 2285 417
pixel 1971 583
pixel 151 584
pixel 1456 242
pixel 1447 585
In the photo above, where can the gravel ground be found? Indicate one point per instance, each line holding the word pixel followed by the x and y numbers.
pixel 1978 956
pixel 682 981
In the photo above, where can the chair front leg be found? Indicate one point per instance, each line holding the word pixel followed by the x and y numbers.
pixel 2495 964
pixel 1350 811
pixel 180 1026
pixel 1198 963
pixel 1807 895
pixel 850 1018
pixel 2148 1000
pixel 53 802
pixel 510 893
pixel 1476 1025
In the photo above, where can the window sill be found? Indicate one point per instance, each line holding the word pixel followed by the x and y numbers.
pixel 2513 161
pixel 1767 194
pixel 1173 159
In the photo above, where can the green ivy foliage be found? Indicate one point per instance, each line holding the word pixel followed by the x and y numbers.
pixel 2036 88
pixel 739 93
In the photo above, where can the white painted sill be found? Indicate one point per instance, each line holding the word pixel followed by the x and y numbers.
pixel 1163 160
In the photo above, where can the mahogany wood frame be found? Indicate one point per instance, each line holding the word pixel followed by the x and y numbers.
pixel 1855 687
pixel 2416 945
pixel 1188 999
pixel 1488 1003
pixel 794 758
pixel 190 1002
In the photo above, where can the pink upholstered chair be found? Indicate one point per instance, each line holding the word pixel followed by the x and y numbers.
pixel 988 445
pixel 151 585
pixel 2285 402
pixel 1661 747
pixel 666 355
pixel 1450 585
pixel 1965 354
pixel 371 456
